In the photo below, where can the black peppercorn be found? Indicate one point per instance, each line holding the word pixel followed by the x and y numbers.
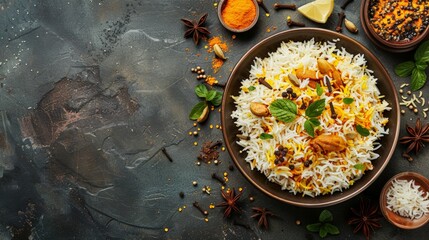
pixel 291 167
pixel 289 90
pixel 285 94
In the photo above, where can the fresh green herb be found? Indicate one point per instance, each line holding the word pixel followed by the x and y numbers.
pixel 284 110
pixel 197 110
pixel 201 90
pixel 265 136
pixel 309 125
pixel 359 166
pixel 362 131
pixel 251 88
pixel 315 109
pixel 348 100
pixel 217 100
pixel 214 97
pixel 211 95
pixel 319 90
pixel 324 227
pixel 416 68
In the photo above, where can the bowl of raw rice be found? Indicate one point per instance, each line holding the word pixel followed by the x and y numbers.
pixel 310 117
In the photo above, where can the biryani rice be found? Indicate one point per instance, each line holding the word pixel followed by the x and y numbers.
pixel 329 172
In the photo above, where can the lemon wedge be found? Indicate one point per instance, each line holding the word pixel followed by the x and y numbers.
pixel 318 11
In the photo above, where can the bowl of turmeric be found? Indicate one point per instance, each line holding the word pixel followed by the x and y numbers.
pixel 238 15
pixel 396 26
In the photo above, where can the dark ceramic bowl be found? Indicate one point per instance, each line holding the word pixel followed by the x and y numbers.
pixel 396 219
pixel 221 5
pixel 229 130
pixel 391 46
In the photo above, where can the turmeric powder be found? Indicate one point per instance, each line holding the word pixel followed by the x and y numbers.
pixel 238 14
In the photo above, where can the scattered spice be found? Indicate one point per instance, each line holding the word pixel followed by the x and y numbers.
pixel 218 178
pixel 262 4
pixel 218 52
pixel 217 63
pixel 262 81
pixel 197 206
pixel 206 189
pixel 415 102
pixel 366 218
pixel 416 138
pixel 231 168
pixel 291 23
pixel 238 14
pixel 399 20
pixel 262 214
pixel 341 17
pixel 182 194
pixel 195 183
pixel 163 150
pixel 278 6
pixel 196 29
pixel 231 202
pixel 351 27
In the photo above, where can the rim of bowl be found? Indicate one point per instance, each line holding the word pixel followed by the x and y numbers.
pixel 219 14
pixel 389 45
pixel 316 204
pixel 403 222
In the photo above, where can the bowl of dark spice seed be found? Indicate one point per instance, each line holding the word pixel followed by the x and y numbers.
pixel 395 26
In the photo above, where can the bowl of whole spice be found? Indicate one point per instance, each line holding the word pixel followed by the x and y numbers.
pixel 396 26
pixel 238 15
pixel 404 200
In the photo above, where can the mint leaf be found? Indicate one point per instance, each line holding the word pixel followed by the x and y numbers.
pixel 362 131
pixel 314 121
pixel 265 136
pixel 251 88
pixel 326 216
pixel 316 108
pixel 315 227
pixel 319 90
pixel 201 90
pixel 359 166
pixel 210 95
pixel 421 66
pixel 331 229
pixel 405 69
pixel 348 100
pixel 197 110
pixel 422 53
pixel 308 126
pixel 418 79
pixel 323 232
pixel 284 110
pixel 217 100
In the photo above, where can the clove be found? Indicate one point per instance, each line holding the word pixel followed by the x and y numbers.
pixel 347 2
pixel 197 206
pixel 215 144
pixel 262 4
pixel 341 17
pixel 164 151
pixel 219 179
pixel 333 113
pixel 278 6
pixel 265 83
pixel 291 23
pixel 328 83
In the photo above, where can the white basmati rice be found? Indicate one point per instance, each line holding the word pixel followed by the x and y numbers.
pixel 328 172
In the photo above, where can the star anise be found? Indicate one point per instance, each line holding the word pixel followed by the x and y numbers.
pixel 262 214
pixel 195 28
pixel 366 217
pixel 417 136
pixel 230 203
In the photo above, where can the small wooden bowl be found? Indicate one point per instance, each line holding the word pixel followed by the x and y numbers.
pixel 391 46
pixel 221 5
pixel 396 219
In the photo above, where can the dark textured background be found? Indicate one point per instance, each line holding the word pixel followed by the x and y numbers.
pixel 92 90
